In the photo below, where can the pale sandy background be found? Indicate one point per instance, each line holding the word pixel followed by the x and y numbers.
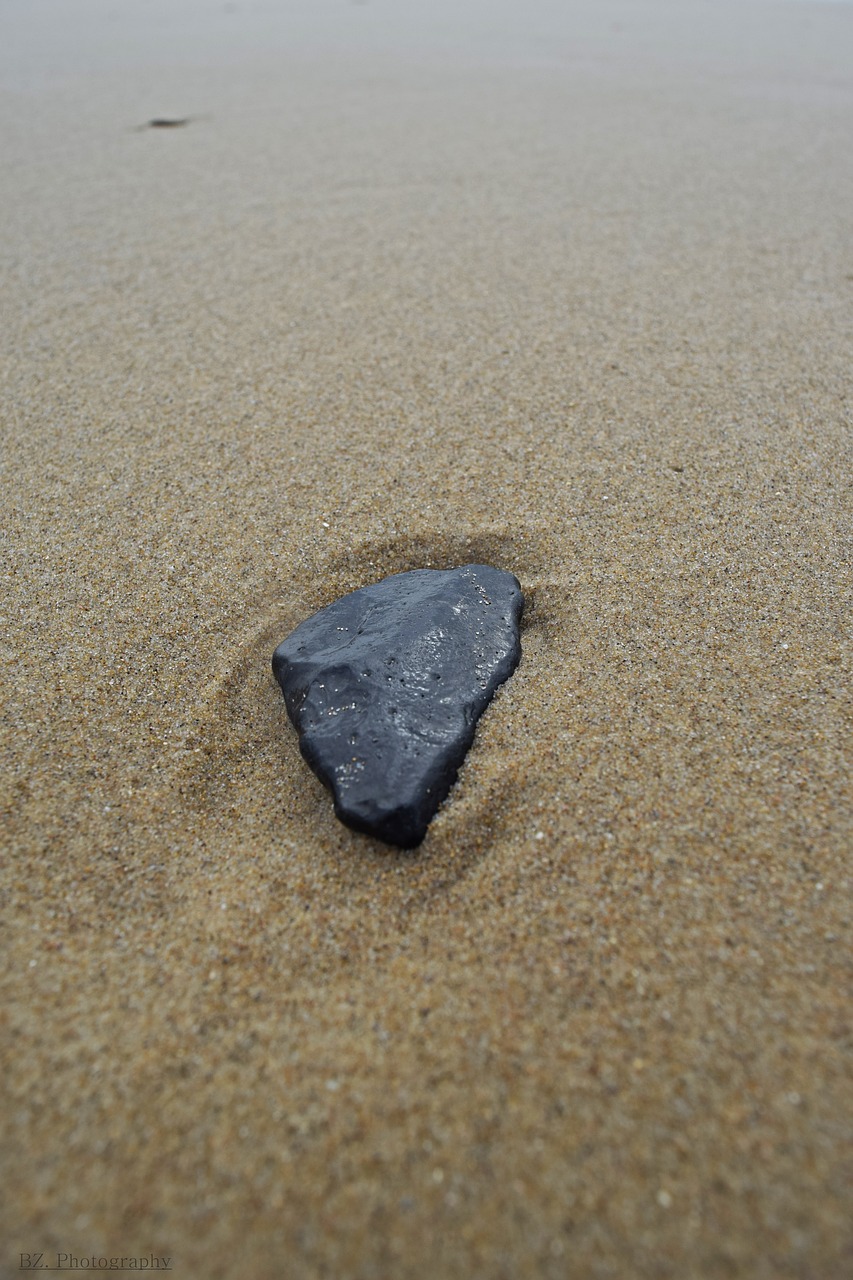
pixel 562 287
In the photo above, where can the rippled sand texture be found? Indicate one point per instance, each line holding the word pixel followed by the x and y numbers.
pixel 567 291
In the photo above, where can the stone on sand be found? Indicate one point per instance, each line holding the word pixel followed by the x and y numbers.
pixel 385 687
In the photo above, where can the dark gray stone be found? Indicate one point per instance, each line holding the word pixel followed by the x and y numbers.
pixel 386 685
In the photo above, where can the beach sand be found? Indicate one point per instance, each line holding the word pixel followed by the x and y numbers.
pixel 565 291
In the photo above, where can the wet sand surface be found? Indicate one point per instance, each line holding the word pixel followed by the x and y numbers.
pixel 566 292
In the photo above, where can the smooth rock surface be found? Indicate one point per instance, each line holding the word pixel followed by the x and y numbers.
pixel 386 685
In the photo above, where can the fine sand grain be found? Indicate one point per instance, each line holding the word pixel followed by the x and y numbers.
pixel 567 291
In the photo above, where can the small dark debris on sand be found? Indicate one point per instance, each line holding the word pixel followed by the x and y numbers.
pixel 165 122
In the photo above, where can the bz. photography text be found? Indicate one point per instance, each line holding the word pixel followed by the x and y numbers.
pixel 94 1262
